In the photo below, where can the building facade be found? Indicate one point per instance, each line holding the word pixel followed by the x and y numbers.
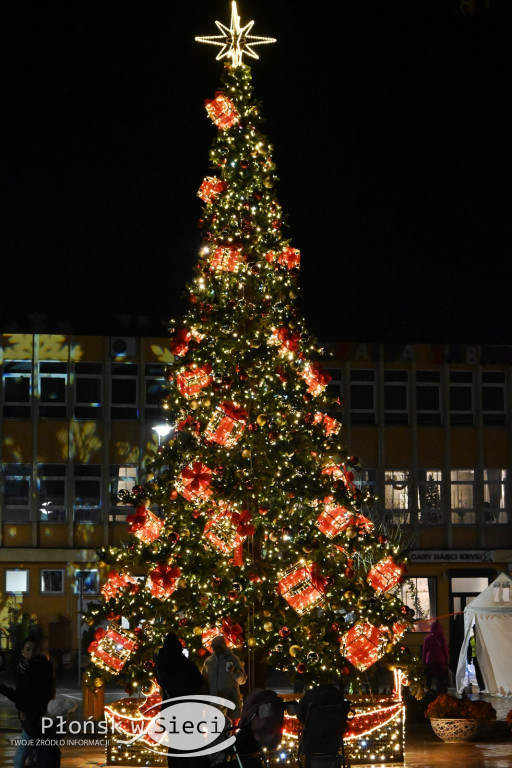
pixel 430 426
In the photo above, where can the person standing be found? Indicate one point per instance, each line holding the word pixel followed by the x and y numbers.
pixel 225 674
pixel 177 675
pixel 34 688
pixel 436 658
pixel 473 659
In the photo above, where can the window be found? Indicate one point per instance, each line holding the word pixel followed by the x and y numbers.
pixel 362 396
pixel 16 581
pixel 122 478
pixel 88 581
pixel 494 496
pixel 124 391
pixel 396 490
pixel 366 481
pixel 429 497
pixel 154 380
pixel 419 593
pixel 461 397
pixel 17 493
pixel 52 581
pixel 462 484
pixel 493 397
pixel 428 397
pixel 52 492
pixel 88 390
pixel 395 397
pixel 53 384
pixel 17 380
pixel 87 481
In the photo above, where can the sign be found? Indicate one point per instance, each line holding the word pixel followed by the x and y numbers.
pixel 451 556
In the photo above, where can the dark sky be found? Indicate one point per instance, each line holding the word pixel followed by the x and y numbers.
pixel 391 122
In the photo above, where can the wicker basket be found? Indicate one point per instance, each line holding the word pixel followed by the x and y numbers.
pixel 456 729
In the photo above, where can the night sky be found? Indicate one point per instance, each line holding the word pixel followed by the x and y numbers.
pixel 391 125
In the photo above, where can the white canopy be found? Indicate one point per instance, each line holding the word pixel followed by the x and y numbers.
pixel 491 612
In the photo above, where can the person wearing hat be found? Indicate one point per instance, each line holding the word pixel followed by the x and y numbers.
pixel 225 674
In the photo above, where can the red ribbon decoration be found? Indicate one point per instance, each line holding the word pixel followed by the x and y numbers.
pixel 199 478
pixel 234 412
pixel 321 376
pixel 289 340
pixel 137 520
pixel 243 523
pixel 231 631
pixel 165 576
pixel 179 343
pixel 318 581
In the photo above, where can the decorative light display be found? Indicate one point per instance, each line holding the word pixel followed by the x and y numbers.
pixel 302 588
pixel 363 645
pixel 163 580
pixel 227 258
pixel 316 378
pixel 111 648
pixel 116 581
pixel 144 524
pixel 211 187
pixel 235 41
pixel 194 480
pixel 386 574
pixel 330 425
pixel 226 425
pixel 222 111
pixel 191 381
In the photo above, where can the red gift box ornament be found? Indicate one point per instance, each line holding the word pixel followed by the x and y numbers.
pixel 316 378
pixel 287 341
pixel 111 651
pixel 289 257
pixel 226 425
pixel 228 530
pixel 194 480
pixel 144 525
pixel 330 425
pixel 334 519
pixel 163 580
pixel 363 645
pixel 193 380
pixel 117 580
pixel 180 342
pixel 211 188
pixel 222 111
pixel 302 588
pixel 385 574
pixel 227 258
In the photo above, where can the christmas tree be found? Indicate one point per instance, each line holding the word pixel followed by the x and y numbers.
pixel 249 522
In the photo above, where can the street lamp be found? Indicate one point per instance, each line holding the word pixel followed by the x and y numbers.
pixel 162 430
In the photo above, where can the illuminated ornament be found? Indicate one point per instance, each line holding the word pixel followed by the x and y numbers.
pixel 162 581
pixel 222 111
pixel 113 649
pixel 330 425
pixel 287 341
pixel 116 581
pixel 397 631
pixel 179 344
pixel 194 480
pixel 385 574
pixel 315 377
pixel 211 187
pixel 227 258
pixel 235 41
pixel 226 425
pixel 228 531
pixel 335 519
pixel 230 630
pixel 289 257
pixel 339 473
pixel 144 525
pixel 302 588
pixel 363 645
pixel 193 380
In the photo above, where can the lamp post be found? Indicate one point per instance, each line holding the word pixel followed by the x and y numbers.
pixel 162 430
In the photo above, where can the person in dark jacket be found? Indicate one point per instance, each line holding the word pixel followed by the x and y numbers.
pixel 34 688
pixel 436 658
pixel 177 675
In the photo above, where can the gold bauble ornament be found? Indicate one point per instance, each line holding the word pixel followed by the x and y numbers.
pixel 251 642
pixel 351 531
pixel 268 626
pixel 267 613
pixel 246 453
pixel 273 536
pixel 261 420
pixel 294 650
pixel 194 405
pixel 182 584
pixel 197 630
pixel 185 533
pixel 207 403
pixel 97 682
pixel 293 294
pixel 349 596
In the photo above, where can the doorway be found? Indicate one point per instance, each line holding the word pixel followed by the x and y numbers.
pixel 465 585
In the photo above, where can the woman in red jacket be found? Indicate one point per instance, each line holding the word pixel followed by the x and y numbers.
pixel 436 658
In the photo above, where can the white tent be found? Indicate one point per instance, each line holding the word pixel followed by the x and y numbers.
pixel 491 612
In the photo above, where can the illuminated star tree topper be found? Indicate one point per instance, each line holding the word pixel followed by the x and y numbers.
pixel 235 40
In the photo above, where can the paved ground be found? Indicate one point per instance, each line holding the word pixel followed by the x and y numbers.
pixel 493 749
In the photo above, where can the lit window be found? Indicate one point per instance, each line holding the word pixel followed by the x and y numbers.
pixel 428 397
pixel 493 397
pixel 16 581
pixel 362 396
pixel 87 581
pixel 494 496
pixel 395 397
pixel 122 479
pixel 154 381
pixel 419 593
pixel 87 482
pixel 429 497
pixel 17 492
pixel 17 385
pixel 52 581
pixel 461 397
pixel 462 486
pixel 124 391
pixel 53 385
pixel 396 497
pixel 88 390
pixel 52 492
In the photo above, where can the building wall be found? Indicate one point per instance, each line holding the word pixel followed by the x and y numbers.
pixel 78 417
